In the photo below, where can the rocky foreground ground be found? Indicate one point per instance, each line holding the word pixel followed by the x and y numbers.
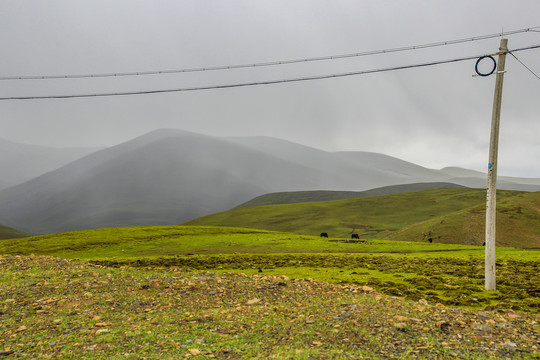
pixel 61 309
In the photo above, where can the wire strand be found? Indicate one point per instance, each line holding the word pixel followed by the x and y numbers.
pixel 526 67
pixel 269 63
pixel 269 82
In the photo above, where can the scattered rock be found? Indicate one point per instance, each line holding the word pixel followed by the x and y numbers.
pixel 253 301
pixel 102 331
pixel 194 352
pixel 444 326
pixel 510 345
pixel 482 327
pixel 483 316
pixel 367 289
pixel 401 326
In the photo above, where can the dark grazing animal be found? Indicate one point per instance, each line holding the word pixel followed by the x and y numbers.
pixel 355 236
pixel 324 235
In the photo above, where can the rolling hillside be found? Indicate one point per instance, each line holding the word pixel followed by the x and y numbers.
pixel 405 216
pixel 518 224
pixel 169 176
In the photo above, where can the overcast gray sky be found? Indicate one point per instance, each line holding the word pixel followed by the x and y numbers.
pixel 436 117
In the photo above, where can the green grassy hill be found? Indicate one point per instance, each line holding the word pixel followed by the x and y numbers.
pixel 9 233
pixel 294 197
pixel 518 224
pixel 457 211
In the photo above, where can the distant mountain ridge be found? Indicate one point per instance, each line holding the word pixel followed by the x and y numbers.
pixel 170 176
pixel 295 197
pixel 23 162
pixel 9 233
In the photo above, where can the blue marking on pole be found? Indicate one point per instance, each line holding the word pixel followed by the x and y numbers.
pixel 490 165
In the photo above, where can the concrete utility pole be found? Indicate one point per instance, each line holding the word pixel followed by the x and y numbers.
pixel 491 198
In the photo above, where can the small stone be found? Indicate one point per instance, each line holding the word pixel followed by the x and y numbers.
pixel 510 345
pixel 512 316
pixel 317 343
pixel 423 302
pixel 213 292
pixel 194 352
pixel 444 326
pixel 482 327
pixel 102 331
pixel 367 289
pixel 253 301
pixel 401 318
pixel 400 326
pixel 22 328
pixel 483 316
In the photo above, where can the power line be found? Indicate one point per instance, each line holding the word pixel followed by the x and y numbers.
pixel 269 82
pixel 526 67
pixel 269 63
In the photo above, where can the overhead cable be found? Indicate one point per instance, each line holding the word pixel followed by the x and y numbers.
pixel 526 67
pixel 269 63
pixel 268 82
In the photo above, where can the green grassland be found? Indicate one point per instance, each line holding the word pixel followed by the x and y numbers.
pixel 206 292
pixel 450 274
pixel 444 215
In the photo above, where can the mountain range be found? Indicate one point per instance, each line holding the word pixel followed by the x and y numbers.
pixel 171 176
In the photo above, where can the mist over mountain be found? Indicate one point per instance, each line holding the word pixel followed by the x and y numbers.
pixel 22 162
pixel 171 176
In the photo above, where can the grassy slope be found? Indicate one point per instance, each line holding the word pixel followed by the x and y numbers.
pixel 379 216
pixel 294 197
pixel 518 224
pixel 9 233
